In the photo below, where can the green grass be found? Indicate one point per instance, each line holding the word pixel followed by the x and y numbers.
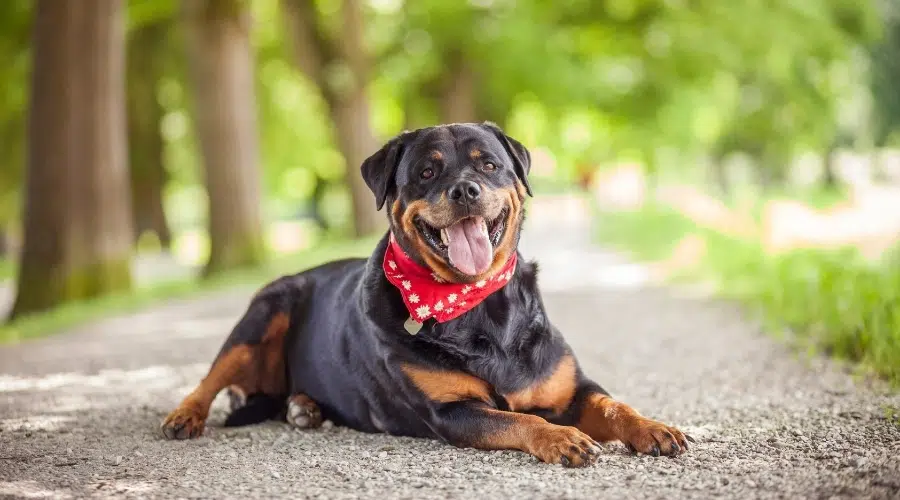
pixel 834 301
pixel 71 315
pixel 892 415
pixel 649 234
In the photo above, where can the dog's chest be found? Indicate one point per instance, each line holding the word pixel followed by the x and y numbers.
pixel 527 368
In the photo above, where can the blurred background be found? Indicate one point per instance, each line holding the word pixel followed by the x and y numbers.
pixel 155 148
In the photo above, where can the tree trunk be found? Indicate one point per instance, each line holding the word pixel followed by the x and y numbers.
pixel 4 243
pixel 720 173
pixel 829 176
pixel 772 170
pixel 346 96
pixel 221 67
pixel 458 101
pixel 350 114
pixel 77 241
pixel 148 173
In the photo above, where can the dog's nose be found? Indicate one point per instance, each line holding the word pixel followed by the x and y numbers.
pixel 465 192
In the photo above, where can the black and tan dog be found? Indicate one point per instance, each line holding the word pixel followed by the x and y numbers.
pixel 441 333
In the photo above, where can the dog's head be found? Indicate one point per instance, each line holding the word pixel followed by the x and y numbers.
pixel 455 195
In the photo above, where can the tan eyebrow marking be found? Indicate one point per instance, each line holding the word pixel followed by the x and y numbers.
pixel 475 154
pixel 436 155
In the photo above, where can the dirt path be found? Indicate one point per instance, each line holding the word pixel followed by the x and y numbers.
pixel 79 412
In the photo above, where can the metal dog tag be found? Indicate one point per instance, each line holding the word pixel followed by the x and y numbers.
pixel 412 326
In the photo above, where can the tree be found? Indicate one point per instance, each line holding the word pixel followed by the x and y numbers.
pixel 221 69
pixel 77 240
pixel 146 63
pixel 338 64
pixel 885 73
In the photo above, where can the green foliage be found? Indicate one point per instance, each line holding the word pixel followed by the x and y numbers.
pixel 15 29
pixel 892 415
pixel 148 12
pixel 834 301
pixel 592 80
pixel 626 77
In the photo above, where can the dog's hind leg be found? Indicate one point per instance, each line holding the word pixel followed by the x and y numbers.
pixel 251 363
pixel 303 412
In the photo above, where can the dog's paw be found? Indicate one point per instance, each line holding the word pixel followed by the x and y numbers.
pixel 183 423
pixel 303 412
pixel 655 438
pixel 565 445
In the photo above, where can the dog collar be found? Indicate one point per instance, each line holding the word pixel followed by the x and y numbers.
pixel 428 296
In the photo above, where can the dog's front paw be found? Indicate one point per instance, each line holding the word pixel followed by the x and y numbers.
pixel 565 445
pixel 183 423
pixel 655 438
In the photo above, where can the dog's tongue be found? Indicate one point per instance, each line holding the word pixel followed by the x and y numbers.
pixel 469 247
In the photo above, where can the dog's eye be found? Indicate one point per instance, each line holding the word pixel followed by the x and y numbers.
pixel 490 167
pixel 427 173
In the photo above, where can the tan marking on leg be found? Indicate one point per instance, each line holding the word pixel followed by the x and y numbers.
pixel 606 419
pixel 189 418
pixel 552 393
pixel 532 434
pixel 270 372
pixel 447 386
pixel 246 369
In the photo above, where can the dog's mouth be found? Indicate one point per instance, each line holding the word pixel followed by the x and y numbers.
pixel 468 244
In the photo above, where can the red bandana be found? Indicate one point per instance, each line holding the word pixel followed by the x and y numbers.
pixel 428 296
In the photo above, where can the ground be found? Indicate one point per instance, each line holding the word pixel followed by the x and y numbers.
pixel 80 411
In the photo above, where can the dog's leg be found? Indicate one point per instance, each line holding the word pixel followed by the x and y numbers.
pixel 460 410
pixel 251 361
pixel 189 419
pixel 606 419
pixel 477 425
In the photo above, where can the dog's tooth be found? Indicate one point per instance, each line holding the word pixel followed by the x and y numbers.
pixel 445 237
pixel 484 226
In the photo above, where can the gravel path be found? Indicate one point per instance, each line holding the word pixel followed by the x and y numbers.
pixel 79 412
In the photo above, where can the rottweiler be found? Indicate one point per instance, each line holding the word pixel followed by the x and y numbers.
pixel 440 333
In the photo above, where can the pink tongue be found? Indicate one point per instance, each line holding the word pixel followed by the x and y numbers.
pixel 470 250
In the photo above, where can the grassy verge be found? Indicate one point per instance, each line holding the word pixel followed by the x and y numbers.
pixel 833 301
pixel 71 315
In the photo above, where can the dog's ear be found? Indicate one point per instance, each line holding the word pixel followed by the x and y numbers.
pixel 519 154
pixel 378 170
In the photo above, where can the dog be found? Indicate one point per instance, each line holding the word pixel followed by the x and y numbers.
pixel 441 333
